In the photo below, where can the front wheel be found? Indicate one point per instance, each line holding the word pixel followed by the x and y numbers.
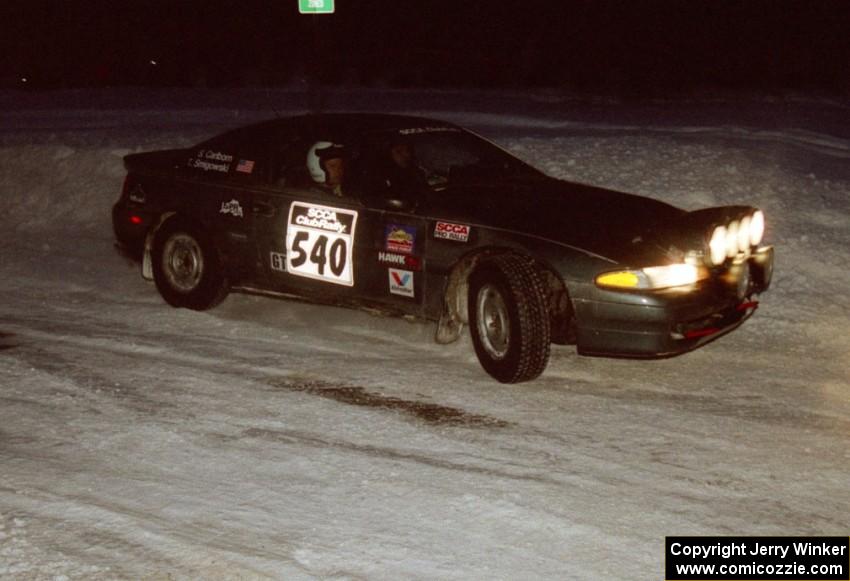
pixel 508 318
pixel 186 267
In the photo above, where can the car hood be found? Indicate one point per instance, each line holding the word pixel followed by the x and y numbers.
pixel 622 227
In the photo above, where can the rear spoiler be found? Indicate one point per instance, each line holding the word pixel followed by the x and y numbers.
pixel 156 160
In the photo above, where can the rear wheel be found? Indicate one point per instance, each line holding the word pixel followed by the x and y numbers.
pixel 186 267
pixel 508 318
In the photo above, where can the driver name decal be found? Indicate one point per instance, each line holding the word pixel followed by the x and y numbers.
pixel 449 231
pixel 320 243
pixel 208 160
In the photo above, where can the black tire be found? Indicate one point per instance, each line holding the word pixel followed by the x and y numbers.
pixel 508 318
pixel 186 266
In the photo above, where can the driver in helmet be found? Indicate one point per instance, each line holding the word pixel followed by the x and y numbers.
pixel 326 164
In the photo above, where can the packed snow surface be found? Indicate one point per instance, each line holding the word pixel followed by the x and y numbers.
pixel 279 439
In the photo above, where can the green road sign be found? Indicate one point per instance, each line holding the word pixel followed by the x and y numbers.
pixel 316 6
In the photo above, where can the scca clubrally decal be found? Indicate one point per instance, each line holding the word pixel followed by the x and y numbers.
pixel 320 243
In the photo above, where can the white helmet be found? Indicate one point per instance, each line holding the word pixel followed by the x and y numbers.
pixel 322 150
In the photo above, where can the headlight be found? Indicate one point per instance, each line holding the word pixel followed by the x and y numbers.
pixel 732 239
pixel 744 235
pixel 717 245
pixel 757 228
pixel 737 237
pixel 655 277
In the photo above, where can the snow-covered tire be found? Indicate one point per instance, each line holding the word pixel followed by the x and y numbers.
pixel 509 319
pixel 186 266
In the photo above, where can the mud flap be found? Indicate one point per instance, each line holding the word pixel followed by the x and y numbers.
pixel 449 329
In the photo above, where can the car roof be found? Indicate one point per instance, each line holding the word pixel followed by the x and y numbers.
pixel 331 124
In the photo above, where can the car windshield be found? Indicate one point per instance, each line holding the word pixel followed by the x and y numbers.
pixel 449 156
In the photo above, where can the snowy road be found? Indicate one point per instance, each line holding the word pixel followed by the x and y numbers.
pixel 279 439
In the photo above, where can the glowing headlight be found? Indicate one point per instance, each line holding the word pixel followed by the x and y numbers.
pixel 744 235
pixel 756 228
pixel 672 275
pixel 732 239
pixel 655 277
pixel 717 245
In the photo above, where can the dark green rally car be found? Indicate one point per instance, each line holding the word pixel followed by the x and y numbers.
pixel 422 218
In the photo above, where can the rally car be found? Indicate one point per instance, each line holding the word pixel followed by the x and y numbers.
pixel 423 218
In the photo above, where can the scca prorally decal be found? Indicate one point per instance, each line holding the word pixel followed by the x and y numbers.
pixel 401 282
pixel 278 261
pixel 211 161
pixel 320 242
pixel 449 231
pixel 405 260
pixel 232 207
pixel 400 238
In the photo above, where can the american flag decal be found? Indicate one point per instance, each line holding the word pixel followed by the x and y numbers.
pixel 245 166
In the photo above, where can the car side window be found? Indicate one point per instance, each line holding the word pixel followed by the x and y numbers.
pixel 291 166
pixel 292 171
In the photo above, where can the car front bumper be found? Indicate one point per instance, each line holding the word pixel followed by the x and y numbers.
pixel 673 321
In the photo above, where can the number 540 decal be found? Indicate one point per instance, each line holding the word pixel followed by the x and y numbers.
pixel 320 243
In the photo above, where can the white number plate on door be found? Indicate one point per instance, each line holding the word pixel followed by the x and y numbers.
pixel 320 243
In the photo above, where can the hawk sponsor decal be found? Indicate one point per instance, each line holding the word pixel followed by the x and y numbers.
pixel 232 207
pixel 245 166
pixel 401 282
pixel 278 261
pixel 400 238
pixel 404 260
pixel 320 243
pixel 211 161
pixel 449 231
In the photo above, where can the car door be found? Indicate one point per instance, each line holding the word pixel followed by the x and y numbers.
pixel 394 253
pixel 306 238
pixel 313 243
pixel 396 263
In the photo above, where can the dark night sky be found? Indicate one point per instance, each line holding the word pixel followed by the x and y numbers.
pixel 627 46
